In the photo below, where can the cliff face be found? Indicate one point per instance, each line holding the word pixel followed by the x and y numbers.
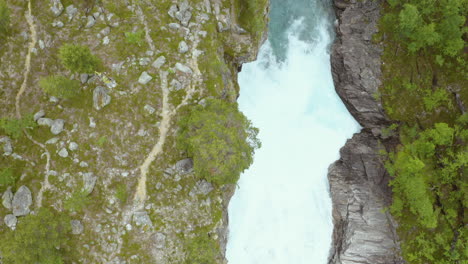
pixel 363 233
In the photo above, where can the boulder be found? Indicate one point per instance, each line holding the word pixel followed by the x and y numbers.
pixel 184 13
pixel 7 199
pixel 73 146
pixel 201 188
pixel 144 78
pixel 45 121
pixel 89 181
pixel 101 98
pixel 149 109
pixel 159 240
pixel 176 85
pixel 7 146
pixel 77 227
pixel 184 166
pixel 71 11
pixel 57 126
pixel 63 153
pixel 91 21
pixel 56 8
pixel 10 221
pixel 183 68
pixel 183 47
pixel 141 218
pixel 21 201
pixel 159 62
pixel 84 78
pixel 38 115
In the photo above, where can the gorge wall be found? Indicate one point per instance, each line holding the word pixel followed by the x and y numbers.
pixel 363 232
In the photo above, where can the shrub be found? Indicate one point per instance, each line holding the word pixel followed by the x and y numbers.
pixel 37 239
pixel 13 127
pixel 77 202
pixel 7 177
pixel 135 38
pixel 220 139
pixel 202 250
pixel 78 58
pixel 60 86
pixel 4 20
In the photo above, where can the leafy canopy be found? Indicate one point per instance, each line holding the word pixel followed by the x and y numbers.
pixel 37 239
pixel 78 58
pixel 13 127
pixel 60 86
pixel 220 139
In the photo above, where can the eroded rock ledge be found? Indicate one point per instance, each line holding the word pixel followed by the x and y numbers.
pixel 363 232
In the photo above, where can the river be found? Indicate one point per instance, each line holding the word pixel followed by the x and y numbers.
pixel 281 212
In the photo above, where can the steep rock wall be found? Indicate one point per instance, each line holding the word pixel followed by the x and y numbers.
pixel 363 232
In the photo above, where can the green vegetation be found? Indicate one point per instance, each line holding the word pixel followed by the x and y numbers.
pixel 121 192
pixel 14 127
pixel 202 250
pixel 37 239
pixel 220 139
pixel 78 58
pixel 250 14
pixel 424 72
pixel 60 86
pixel 135 38
pixel 4 20
pixel 77 202
pixel 7 177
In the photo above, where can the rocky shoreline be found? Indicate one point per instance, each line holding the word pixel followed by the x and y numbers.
pixel 363 232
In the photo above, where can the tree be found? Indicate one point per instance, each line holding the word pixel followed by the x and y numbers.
pixel 60 86
pixel 220 139
pixel 4 20
pixel 78 58
pixel 37 239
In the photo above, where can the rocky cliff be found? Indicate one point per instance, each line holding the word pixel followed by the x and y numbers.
pixel 363 232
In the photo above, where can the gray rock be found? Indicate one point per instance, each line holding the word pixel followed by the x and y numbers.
pixel 91 22
pixel 183 68
pixel 172 11
pixel 45 122
pixel 52 141
pixel 356 63
pixel 56 8
pixel 89 181
pixel 183 47
pixel 7 146
pixel 77 227
pixel 71 11
pixel 159 240
pixel 105 31
pixel 105 40
pixel 159 62
pixel 83 164
pixel 144 61
pixel 149 109
pixel 176 85
pixel 144 78
pixel 174 26
pixel 73 146
pixel 38 115
pixel 10 221
pixel 202 187
pixel 41 44
pixel 63 153
pixel 184 13
pixel 141 218
pixel 84 78
pixel 21 201
pixel 117 66
pixel 92 123
pixel 100 97
pixel 7 199
pixel 57 24
pixel 184 166
pixel 57 126
pixel 53 99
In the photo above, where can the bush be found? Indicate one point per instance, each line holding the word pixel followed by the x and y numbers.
pixel 220 139
pixel 202 250
pixel 78 58
pixel 14 127
pixel 60 86
pixel 4 20
pixel 37 239
pixel 77 202
pixel 134 38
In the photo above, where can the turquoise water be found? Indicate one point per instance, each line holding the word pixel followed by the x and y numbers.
pixel 281 212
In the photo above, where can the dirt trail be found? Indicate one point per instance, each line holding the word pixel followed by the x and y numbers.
pixel 27 65
pixel 140 195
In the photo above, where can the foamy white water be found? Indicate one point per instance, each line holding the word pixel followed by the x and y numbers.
pixel 281 212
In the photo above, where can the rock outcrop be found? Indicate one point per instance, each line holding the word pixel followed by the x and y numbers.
pixel 363 232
